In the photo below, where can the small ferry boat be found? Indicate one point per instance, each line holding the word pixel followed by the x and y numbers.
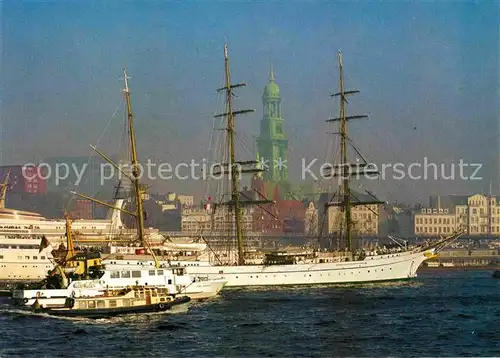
pixel 112 303
pixel 175 280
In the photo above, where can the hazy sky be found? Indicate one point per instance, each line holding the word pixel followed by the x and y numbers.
pixel 428 74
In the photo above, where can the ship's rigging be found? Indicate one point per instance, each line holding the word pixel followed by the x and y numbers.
pixel 344 198
pixel 134 177
pixel 234 168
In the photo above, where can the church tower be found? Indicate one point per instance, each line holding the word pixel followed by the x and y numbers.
pixel 272 144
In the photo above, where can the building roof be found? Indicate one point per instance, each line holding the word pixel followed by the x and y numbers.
pixel 271 90
pixel 447 201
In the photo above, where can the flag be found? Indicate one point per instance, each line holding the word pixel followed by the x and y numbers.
pixel 43 244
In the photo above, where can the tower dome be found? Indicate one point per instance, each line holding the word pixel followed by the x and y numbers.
pixel 271 90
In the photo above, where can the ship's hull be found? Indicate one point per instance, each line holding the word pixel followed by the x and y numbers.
pixel 390 267
pixel 199 290
pixel 202 290
pixel 21 260
pixel 112 312
pixel 21 233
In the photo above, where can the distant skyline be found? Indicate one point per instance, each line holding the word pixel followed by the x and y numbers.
pixel 428 73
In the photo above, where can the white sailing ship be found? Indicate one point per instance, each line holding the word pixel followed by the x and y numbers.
pixel 306 268
pixel 278 269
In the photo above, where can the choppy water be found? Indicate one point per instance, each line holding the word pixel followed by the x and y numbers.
pixel 441 313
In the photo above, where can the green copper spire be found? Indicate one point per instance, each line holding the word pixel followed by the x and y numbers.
pixel 271 91
pixel 272 143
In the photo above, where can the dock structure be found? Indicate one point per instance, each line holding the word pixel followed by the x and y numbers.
pixel 466 258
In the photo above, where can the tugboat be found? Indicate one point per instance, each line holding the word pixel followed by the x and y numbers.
pixel 113 303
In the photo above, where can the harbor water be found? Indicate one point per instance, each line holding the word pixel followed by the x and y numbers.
pixel 440 313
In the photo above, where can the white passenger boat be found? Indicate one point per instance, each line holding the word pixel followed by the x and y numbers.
pixel 176 280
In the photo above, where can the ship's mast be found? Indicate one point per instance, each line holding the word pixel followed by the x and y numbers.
pixel 234 174
pixel 234 168
pixel 70 248
pixel 134 178
pixel 135 164
pixel 345 193
pixel 346 169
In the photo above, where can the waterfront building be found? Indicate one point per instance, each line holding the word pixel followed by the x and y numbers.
pixel 82 209
pixel 25 180
pixel 311 220
pixel 477 215
pixel 435 221
pixel 484 215
pixel 283 216
pixel 199 220
pixel 186 200
pixel 365 218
